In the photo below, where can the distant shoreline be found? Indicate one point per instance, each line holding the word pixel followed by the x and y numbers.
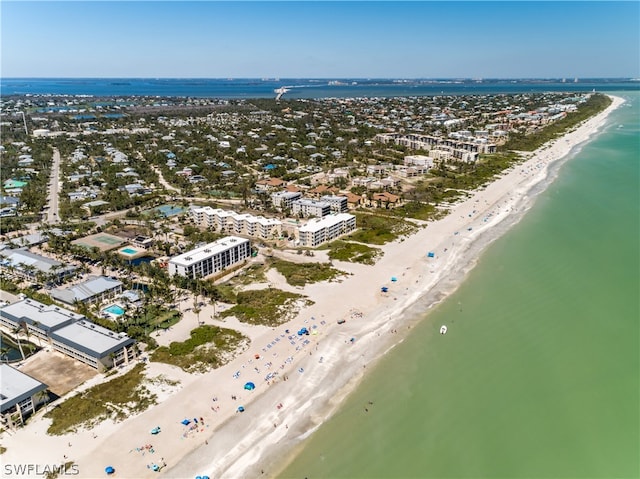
pixel 251 88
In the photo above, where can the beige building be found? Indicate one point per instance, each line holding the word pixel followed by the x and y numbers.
pixel 236 223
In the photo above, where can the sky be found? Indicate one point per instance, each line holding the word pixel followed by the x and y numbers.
pixel 319 39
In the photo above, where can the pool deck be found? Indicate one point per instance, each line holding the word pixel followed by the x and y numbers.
pixel 139 252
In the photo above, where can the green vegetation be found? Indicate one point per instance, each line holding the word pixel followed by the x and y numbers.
pixel 66 469
pixel 300 274
pixel 379 229
pixel 415 210
pixel 2 449
pixel 529 142
pixel 117 399
pixel 208 347
pixel 252 274
pixel 269 307
pixel 450 183
pixel 353 252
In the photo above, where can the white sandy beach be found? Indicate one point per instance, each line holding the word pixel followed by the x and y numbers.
pixel 300 380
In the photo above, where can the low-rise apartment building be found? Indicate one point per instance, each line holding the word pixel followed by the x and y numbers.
pixel 283 200
pixel 306 208
pixel 20 397
pixel 338 204
pixel 459 149
pixel 24 264
pixel 70 333
pixel 95 289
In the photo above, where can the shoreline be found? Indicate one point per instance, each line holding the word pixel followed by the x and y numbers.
pixel 231 444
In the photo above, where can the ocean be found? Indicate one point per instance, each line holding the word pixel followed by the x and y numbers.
pixel 539 374
pixel 298 88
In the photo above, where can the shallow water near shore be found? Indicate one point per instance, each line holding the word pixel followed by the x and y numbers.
pixel 538 374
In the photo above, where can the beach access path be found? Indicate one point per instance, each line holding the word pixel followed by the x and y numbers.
pixel 299 380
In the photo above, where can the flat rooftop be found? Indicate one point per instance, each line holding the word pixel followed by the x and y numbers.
pixel 203 252
pixel 317 224
pixel 91 338
pixel 16 386
pixel 87 289
pixel 43 316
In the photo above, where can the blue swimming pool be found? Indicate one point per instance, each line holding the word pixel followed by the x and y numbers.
pixel 128 250
pixel 115 310
pixel 169 210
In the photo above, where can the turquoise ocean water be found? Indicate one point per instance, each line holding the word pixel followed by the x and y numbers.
pixel 538 376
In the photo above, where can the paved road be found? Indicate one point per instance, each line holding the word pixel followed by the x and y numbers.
pixel 53 213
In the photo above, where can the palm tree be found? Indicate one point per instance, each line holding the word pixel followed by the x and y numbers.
pixel 16 331
pixel 4 353
pixel 41 396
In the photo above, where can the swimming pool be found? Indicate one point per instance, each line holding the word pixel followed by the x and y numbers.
pixel 128 251
pixel 115 310
pixel 169 210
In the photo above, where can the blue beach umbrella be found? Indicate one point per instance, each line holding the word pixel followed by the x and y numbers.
pixel 240 409
pixel 186 422
pixel 109 470
pixel 250 386
pixel 394 279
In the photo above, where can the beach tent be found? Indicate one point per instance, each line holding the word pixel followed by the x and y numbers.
pixel 431 254
pixel 394 279
pixel 109 470
pixel 240 409
pixel 250 386
pixel 186 422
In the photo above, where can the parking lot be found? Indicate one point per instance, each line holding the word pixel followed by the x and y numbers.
pixel 59 372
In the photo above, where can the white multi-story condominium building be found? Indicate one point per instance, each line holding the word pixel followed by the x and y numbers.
pixel 211 258
pixel 306 208
pixel 283 200
pixel 318 231
pixel 236 223
pixel 412 171
pixel 426 142
pixel 418 160
pixel 70 333
pixel 339 204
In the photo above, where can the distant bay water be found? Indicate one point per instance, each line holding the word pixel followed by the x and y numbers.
pixel 298 88
pixel 539 375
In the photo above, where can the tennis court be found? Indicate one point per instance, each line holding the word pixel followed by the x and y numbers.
pixel 102 241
